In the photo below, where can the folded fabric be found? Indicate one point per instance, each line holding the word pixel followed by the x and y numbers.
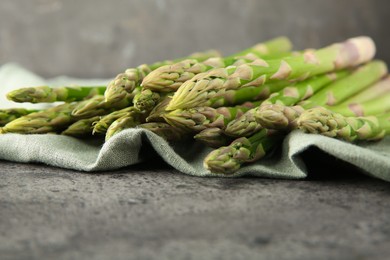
pixel 138 145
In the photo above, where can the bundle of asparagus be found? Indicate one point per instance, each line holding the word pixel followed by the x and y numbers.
pixel 241 105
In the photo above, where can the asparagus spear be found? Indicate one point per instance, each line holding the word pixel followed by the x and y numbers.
pixel 246 94
pixel 50 94
pixel 130 120
pixel 199 118
pixel 323 121
pixel 124 84
pixel 230 97
pixel 10 114
pixel 82 127
pixel 370 107
pixel 197 91
pixel 285 117
pixel 170 77
pixel 247 124
pixel 183 117
pixel 228 159
pixel 382 87
pixel 213 137
pixel 146 100
pixel 370 101
pixel 156 114
pixel 268 48
pixel 280 117
pixel 166 131
pixel 97 106
pixel 360 79
pixel 53 119
pixel 121 91
pixel 101 125
pixel 317 120
pixel 303 90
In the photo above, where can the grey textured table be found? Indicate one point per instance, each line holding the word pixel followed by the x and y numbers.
pixel 157 213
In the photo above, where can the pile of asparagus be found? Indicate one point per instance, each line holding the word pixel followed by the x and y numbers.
pixel 241 105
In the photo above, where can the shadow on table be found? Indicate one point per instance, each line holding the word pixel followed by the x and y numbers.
pixel 323 166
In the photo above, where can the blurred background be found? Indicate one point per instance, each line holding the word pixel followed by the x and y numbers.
pixel 100 38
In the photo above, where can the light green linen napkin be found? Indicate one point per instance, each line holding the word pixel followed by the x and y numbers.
pixel 138 145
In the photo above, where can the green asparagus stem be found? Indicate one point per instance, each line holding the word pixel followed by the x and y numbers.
pixel 101 125
pixel 303 90
pixel 370 107
pixel 246 125
pixel 91 107
pixel 8 115
pixel 82 127
pixel 382 87
pixel 228 159
pixel 156 114
pixel 95 106
pixel 246 94
pixel 53 94
pixel 200 118
pixel 121 91
pixel 230 97
pixel 285 117
pixel 360 79
pixel 279 117
pixel 53 119
pixel 213 137
pixel 122 87
pixel 271 47
pixel 146 100
pixel 166 131
pixel 204 86
pixel 323 121
pixel 170 77
pixel 131 120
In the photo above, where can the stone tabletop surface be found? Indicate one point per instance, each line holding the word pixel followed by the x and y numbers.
pixel 155 212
